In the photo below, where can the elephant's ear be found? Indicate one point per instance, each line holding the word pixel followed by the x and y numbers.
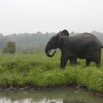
pixel 61 42
pixel 61 34
pixel 64 33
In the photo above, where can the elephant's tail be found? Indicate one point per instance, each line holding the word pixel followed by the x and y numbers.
pixel 101 45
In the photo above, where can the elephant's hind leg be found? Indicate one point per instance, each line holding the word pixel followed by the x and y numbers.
pixel 98 62
pixel 88 61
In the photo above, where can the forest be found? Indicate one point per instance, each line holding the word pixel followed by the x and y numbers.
pixel 33 42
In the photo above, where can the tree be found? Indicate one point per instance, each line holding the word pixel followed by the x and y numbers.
pixel 10 48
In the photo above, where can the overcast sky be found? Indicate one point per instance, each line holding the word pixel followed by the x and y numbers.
pixel 30 16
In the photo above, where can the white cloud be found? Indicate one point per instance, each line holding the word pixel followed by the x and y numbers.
pixel 50 15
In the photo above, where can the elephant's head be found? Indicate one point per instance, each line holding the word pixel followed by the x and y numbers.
pixel 54 42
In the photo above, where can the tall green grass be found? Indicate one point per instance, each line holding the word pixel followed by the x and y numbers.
pixel 37 70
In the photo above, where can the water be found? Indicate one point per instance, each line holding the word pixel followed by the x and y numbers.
pixel 57 95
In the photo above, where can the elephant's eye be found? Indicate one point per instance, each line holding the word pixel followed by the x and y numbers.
pixel 52 44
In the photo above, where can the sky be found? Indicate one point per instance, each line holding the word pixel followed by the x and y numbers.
pixel 31 16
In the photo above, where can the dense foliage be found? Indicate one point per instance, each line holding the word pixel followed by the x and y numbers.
pixel 37 70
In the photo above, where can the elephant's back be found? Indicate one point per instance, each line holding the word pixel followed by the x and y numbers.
pixel 85 37
pixel 84 41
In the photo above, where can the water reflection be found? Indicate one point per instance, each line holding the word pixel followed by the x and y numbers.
pixel 74 101
pixel 57 95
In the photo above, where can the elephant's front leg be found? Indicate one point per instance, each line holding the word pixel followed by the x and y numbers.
pixel 64 59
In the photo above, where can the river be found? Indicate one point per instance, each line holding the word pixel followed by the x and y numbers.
pixel 54 95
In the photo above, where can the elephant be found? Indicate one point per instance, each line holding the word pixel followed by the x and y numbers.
pixel 84 46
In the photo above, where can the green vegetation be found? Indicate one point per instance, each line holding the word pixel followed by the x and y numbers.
pixel 37 70
pixel 10 48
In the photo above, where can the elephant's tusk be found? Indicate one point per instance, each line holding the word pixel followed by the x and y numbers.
pixel 48 51
pixel 50 55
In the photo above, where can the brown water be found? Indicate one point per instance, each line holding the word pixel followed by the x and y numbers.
pixel 57 95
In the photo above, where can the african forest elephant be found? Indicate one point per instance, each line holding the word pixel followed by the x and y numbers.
pixel 84 46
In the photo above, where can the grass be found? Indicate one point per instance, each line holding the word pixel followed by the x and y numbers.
pixel 23 70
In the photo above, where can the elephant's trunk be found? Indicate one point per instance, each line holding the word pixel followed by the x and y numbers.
pixel 48 52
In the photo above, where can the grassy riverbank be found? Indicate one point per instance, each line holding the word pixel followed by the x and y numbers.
pixel 23 70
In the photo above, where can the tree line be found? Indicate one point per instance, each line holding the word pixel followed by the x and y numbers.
pixel 29 43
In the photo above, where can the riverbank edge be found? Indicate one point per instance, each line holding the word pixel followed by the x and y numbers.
pixel 32 88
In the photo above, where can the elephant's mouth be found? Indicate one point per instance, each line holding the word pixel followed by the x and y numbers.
pixel 49 53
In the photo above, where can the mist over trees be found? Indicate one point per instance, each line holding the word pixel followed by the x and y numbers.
pixel 26 42
pixel 34 42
